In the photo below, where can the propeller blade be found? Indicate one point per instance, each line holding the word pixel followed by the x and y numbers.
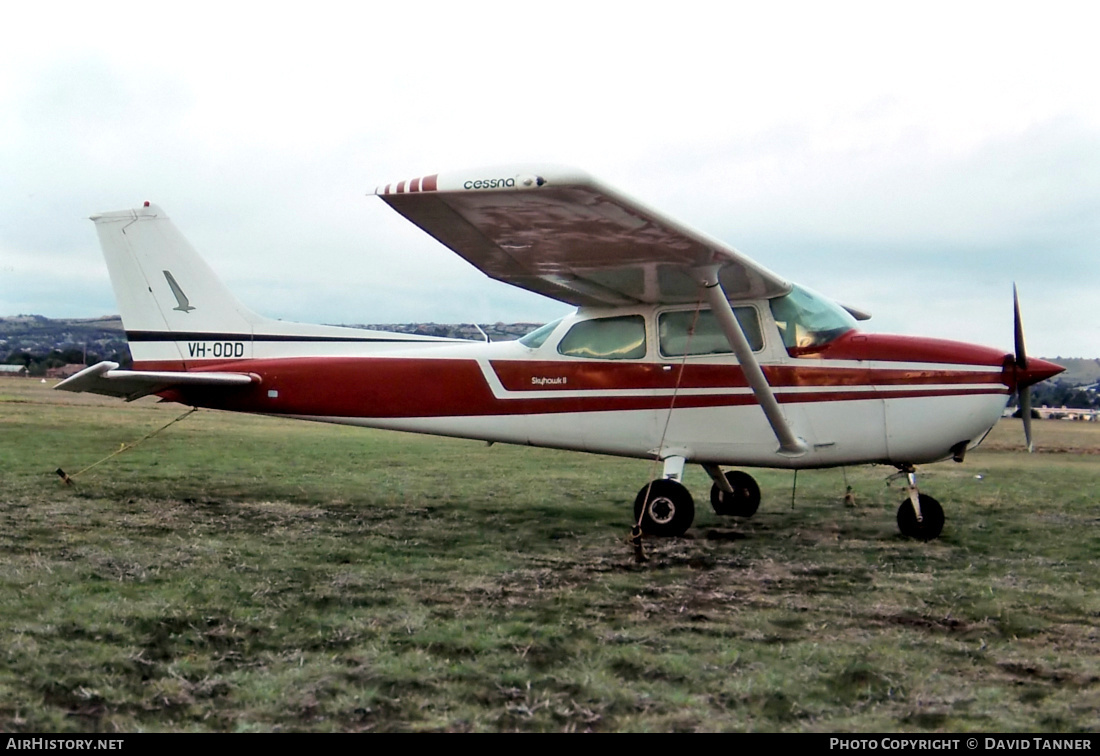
pixel 1025 415
pixel 1040 370
pixel 1018 332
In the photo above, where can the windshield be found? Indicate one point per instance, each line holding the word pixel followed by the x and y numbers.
pixel 537 337
pixel 808 321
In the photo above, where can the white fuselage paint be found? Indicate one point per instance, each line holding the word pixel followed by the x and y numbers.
pixel 850 430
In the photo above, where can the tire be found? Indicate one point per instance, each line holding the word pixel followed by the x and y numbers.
pixel 932 519
pixel 743 502
pixel 669 510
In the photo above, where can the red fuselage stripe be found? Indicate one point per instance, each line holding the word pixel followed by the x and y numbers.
pixel 407 387
pixel 565 376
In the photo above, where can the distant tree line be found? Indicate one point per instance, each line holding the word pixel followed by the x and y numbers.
pixel 1059 394
pixel 38 364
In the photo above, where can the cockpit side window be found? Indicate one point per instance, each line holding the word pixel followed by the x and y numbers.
pixel 682 333
pixel 618 338
pixel 808 321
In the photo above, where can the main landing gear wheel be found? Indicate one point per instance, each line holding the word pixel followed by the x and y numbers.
pixel 668 511
pixel 931 524
pixel 743 502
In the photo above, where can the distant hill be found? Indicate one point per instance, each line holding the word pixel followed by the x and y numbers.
pixel 24 324
pixel 1079 372
pixel 39 336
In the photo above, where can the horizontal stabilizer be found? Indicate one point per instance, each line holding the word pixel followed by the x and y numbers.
pixel 105 378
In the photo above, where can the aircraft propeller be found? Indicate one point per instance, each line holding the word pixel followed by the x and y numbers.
pixel 1023 390
pixel 1027 372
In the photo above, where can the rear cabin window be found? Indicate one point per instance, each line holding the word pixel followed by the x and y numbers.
pixel 682 333
pixel 619 338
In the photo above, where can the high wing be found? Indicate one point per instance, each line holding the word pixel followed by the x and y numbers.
pixel 105 378
pixel 560 233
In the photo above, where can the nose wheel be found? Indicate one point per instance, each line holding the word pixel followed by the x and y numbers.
pixel 919 516
pixel 929 526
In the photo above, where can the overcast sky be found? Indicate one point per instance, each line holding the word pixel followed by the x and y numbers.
pixel 910 160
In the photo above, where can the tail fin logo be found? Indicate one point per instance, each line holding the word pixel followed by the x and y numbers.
pixel 181 298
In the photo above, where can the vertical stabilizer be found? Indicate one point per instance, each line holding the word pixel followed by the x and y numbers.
pixel 179 316
pixel 166 293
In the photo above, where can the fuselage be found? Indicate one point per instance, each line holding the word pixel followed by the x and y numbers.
pixel 635 381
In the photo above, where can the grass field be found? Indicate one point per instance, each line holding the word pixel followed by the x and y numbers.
pixel 241 573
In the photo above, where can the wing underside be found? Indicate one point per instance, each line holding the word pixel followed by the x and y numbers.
pixel 560 233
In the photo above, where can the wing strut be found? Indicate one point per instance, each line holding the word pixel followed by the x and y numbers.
pixel 790 445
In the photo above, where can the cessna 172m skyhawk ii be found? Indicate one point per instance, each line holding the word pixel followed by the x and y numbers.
pixel 682 349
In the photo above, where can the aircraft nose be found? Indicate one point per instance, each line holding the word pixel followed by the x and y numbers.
pixel 1036 371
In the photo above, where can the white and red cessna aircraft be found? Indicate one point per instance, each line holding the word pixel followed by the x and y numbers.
pixel 682 349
